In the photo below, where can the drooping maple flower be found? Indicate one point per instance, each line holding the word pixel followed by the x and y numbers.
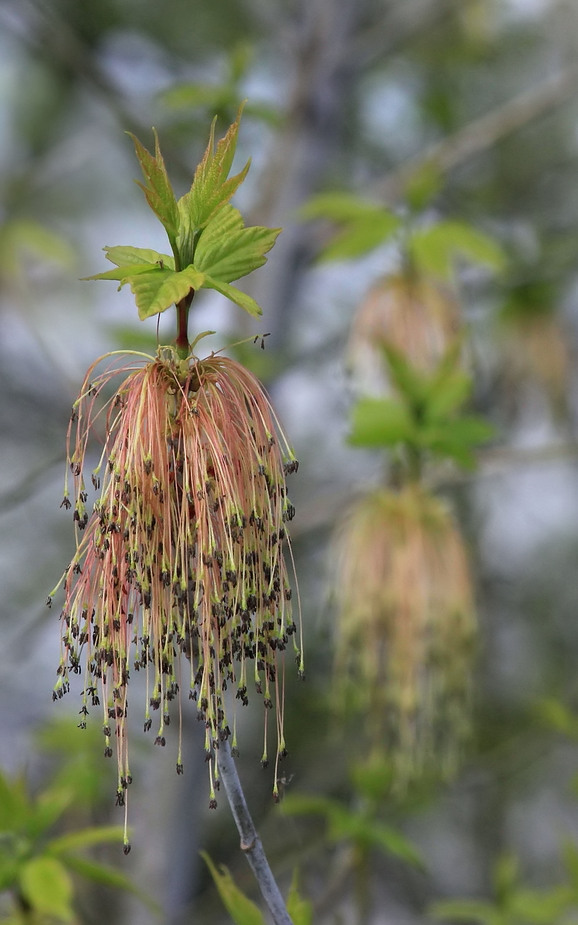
pixel 179 571
pixel 416 315
pixel 406 627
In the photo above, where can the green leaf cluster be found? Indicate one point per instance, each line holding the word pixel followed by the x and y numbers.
pixel 432 250
pixel 211 247
pixel 36 865
pixel 425 416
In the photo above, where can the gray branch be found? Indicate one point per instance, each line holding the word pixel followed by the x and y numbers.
pixel 251 844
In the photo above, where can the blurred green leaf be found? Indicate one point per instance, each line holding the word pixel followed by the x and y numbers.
pixel 241 909
pixel 300 910
pixel 106 876
pixel 96 835
pixel 505 876
pixel 47 887
pixel 380 422
pixel 556 715
pixel 422 186
pixel 365 225
pixel 468 911
pixel 433 250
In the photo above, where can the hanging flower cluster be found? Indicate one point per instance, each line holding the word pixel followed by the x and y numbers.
pixel 183 553
pixel 406 627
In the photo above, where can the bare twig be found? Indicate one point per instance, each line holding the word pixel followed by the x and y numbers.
pixel 484 132
pixel 251 844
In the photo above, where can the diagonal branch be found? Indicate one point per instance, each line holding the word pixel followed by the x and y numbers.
pixel 485 131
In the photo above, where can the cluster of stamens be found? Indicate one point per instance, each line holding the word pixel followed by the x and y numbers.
pixel 183 552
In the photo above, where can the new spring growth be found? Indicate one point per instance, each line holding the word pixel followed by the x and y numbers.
pixel 179 571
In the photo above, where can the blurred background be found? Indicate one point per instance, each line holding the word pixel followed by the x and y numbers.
pixel 356 96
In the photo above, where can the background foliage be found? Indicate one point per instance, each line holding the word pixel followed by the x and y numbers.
pixel 451 114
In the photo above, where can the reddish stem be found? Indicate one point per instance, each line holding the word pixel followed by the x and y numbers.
pixel 182 341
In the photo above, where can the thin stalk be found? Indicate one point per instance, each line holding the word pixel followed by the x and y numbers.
pixel 182 340
pixel 250 842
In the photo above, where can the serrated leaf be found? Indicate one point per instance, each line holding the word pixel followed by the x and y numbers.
pixel 124 256
pixel 46 886
pixel 226 250
pixel 157 290
pixel 242 910
pixel 455 438
pixel 433 250
pixel 380 422
pixel 235 295
pixel 157 189
pixel 211 188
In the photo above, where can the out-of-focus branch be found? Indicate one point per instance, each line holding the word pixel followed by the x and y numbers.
pixel 484 132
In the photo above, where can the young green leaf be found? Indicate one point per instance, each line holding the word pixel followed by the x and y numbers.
pixel 158 289
pixel 235 295
pixel 226 250
pixel 157 189
pixel 364 225
pixel 212 187
pixel 124 256
pixel 241 909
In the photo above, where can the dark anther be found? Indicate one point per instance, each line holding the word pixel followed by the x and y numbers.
pixel 126 848
pixel 160 740
pixel 108 752
pixel 147 725
pixel 180 769
pixel 212 803
pixel 66 503
pixel 119 798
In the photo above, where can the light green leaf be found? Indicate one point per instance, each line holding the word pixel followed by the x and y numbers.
pixel 211 189
pixel 361 237
pixel 47 887
pixel 241 909
pixel 434 249
pixel 157 290
pixel 423 184
pixel 380 422
pixel 95 835
pixel 409 381
pixel 300 910
pixel 505 876
pixel 340 207
pixel 157 189
pixel 15 805
pixel 123 256
pixel 235 295
pixel 226 250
